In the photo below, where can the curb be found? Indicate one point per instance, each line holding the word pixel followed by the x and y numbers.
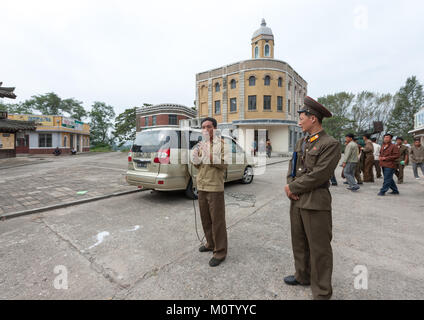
pixel 24 164
pixel 270 164
pixel 63 205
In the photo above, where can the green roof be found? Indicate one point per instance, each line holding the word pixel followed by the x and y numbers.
pixel 7 125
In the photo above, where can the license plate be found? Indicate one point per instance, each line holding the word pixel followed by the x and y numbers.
pixel 141 165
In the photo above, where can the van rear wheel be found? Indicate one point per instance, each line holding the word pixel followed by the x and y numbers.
pixel 191 191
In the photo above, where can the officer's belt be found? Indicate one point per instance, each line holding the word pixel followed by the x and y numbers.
pixel 324 186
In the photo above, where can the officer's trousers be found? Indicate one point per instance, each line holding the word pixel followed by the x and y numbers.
pixel 311 232
pixel 212 214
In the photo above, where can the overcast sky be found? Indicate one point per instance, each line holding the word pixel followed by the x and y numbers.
pixel 126 53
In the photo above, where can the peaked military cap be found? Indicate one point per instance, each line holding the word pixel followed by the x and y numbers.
pixel 314 107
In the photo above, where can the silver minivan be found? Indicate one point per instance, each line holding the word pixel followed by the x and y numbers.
pixel 159 160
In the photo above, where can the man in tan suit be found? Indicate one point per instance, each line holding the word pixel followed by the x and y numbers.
pixel 310 170
pixel 209 158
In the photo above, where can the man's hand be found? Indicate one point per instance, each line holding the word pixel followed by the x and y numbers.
pixel 289 194
pixel 383 158
pixel 344 164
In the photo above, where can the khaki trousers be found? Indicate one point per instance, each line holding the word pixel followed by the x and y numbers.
pixel 212 214
pixel 399 173
pixel 311 232
pixel 377 168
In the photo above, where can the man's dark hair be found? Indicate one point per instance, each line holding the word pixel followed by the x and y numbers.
pixel 399 138
pixel 366 135
pixel 311 114
pixel 214 123
pixel 389 134
pixel 350 135
pixel 374 139
pixel 417 139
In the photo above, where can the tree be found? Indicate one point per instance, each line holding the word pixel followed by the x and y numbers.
pixel 408 100
pixel 339 104
pixel 18 108
pixel 102 117
pixel 125 126
pixel 52 104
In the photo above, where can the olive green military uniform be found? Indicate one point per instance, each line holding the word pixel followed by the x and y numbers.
pixel 368 152
pixel 403 151
pixel 210 185
pixel 310 216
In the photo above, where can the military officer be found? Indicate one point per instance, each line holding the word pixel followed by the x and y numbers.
pixel 402 160
pixel 312 165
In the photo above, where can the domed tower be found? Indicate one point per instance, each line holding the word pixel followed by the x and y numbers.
pixel 263 42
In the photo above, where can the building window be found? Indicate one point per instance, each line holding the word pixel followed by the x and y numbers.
pixel 233 84
pixel 64 141
pixel 279 103
pixel 252 81
pixel 217 87
pixel 153 120
pixel 146 121
pixel 45 140
pixel 267 80
pixel 267 102
pixel 288 106
pixel 280 82
pixel 256 52
pixel 233 104
pixel 289 85
pixel 251 102
pixel 172 119
pixel 218 107
pixel 267 50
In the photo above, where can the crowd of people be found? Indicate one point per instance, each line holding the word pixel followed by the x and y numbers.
pixel 388 159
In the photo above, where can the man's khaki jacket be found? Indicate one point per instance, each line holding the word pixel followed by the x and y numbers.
pixel 210 175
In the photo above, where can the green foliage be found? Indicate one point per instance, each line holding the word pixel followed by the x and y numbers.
pixel 408 101
pixel 125 126
pixel 339 104
pixel 49 104
pixel 18 108
pixel 102 117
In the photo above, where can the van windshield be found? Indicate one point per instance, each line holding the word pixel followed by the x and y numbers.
pixel 153 141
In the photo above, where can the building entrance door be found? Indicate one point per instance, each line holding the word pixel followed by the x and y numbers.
pixel 22 143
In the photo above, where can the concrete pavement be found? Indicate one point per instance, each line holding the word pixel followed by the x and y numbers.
pixel 144 246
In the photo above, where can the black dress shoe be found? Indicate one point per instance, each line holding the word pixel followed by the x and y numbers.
pixel 291 280
pixel 215 262
pixel 394 192
pixel 204 249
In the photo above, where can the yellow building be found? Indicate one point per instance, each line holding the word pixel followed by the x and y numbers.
pixel 260 93
pixel 51 132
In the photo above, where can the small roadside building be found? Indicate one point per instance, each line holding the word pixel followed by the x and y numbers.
pixel 52 131
pixel 9 129
pixel 418 131
pixel 162 115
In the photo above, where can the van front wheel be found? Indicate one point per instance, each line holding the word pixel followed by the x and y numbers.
pixel 191 191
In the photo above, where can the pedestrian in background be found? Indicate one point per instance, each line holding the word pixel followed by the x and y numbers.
pixel 368 151
pixel 417 157
pixel 350 161
pixel 358 164
pixel 402 160
pixel 377 148
pixel 268 148
pixel 389 153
